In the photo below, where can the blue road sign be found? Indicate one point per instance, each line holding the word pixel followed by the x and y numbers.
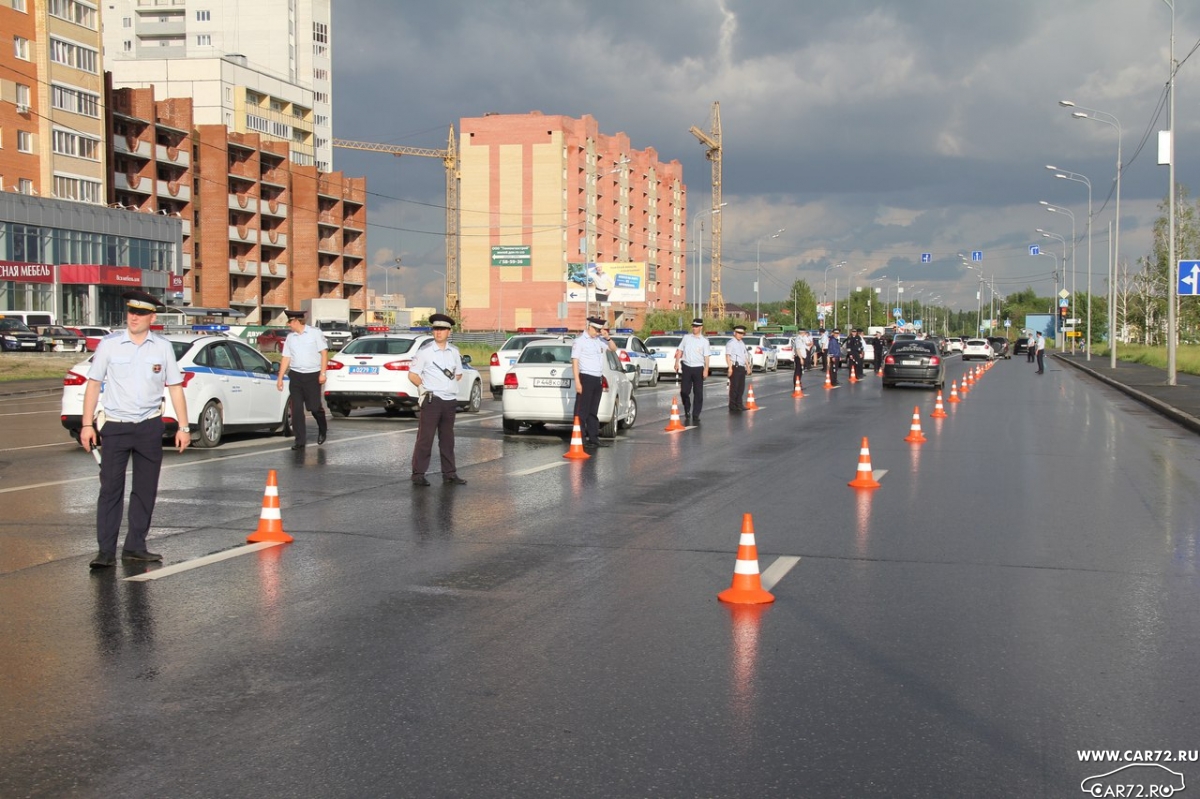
pixel 1189 278
pixel 1035 249
pixel 1064 303
pixel 977 255
pixel 926 257
pixel 896 312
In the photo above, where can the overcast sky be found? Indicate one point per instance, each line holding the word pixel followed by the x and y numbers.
pixel 871 131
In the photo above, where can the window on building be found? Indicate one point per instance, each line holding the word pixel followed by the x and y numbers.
pixel 81 14
pixel 67 187
pixel 19 5
pixel 127 45
pixel 24 141
pixel 73 55
pixel 320 120
pixel 319 49
pixel 257 123
pixel 25 186
pixel 203 16
pixel 67 142
pixel 126 22
pixel 21 48
pixel 321 97
pixel 22 95
pixel 320 32
pixel 204 40
pixel 320 73
pixel 75 101
pixel 277 105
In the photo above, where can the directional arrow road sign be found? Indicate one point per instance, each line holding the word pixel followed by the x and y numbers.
pixel 1189 278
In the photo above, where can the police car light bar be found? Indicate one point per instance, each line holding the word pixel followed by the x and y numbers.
pixel 557 329
pixel 210 328
pixel 623 330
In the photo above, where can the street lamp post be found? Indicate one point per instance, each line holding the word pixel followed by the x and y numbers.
pixel 871 290
pixel 758 274
pixel 1063 241
pixel 1054 209
pixel 1112 121
pixel 1076 177
pixel 825 290
pixel 1172 285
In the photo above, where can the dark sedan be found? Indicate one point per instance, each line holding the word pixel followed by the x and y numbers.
pixel 914 362
pixel 1021 346
pixel 15 335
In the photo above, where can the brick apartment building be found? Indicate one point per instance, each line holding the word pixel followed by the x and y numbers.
pixel 556 195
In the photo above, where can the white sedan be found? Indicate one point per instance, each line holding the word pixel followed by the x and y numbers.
pixel 229 387
pixel 631 349
pixel 979 348
pixel 372 372
pixel 763 355
pixel 503 358
pixel 540 389
pixel 716 354
pixel 663 348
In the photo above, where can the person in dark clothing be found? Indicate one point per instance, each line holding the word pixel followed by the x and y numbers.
pixel 878 354
pixel 833 357
pixel 855 351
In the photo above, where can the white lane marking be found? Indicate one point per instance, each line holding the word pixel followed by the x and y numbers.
pixel 778 570
pixel 202 461
pixel 188 565
pixel 27 413
pixel 67 444
pixel 537 469
pixel 879 473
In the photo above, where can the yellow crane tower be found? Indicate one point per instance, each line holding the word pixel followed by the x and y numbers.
pixel 712 144
pixel 449 158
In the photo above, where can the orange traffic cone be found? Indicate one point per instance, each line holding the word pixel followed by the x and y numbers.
pixel 966 386
pixel 270 522
pixel 939 412
pixel 747 584
pixel 751 405
pixel 853 379
pixel 865 478
pixel 915 436
pixel 576 453
pixel 798 392
pixel 954 391
pixel 827 383
pixel 674 424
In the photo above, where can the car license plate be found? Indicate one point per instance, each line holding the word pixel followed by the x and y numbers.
pixel 552 382
pixel 364 370
pixel 714 352
pixel 511 361
pixel 910 363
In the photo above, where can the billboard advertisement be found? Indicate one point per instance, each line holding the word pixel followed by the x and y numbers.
pixel 606 282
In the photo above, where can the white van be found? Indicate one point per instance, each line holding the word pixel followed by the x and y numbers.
pixel 32 319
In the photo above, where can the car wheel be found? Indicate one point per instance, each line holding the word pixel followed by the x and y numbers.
pixel 654 377
pixel 609 428
pixel 511 425
pixel 211 426
pixel 630 415
pixel 476 401
pixel 339 408
pixel 286 427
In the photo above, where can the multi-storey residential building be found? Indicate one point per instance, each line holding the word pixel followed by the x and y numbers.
pixel 51 84
pixel 547 198
pixel 147 42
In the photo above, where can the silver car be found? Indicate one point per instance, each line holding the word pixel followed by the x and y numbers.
pixel 540 389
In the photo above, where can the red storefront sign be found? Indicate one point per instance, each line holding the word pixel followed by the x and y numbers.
pixel 101 275
pixel 26 273
pixel 176 282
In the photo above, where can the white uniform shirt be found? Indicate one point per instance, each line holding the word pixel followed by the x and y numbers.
pixel 1040 344
pixel 736 350
pixel 695 350
pixel 304 349
pixel 800 346
pixel 589 351
pixel 134 375
pixel 428 364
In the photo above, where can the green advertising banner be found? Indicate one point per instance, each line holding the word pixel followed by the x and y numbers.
pixel 512 255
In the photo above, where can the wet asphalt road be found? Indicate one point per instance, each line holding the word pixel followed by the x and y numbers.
pixel 1021 587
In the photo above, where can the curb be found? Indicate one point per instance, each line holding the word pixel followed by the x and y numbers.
pixel 1171 412
pixel 19 388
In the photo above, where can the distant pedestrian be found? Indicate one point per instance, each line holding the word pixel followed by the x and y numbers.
pixel 133 366
pixel 737 361
pixel 878 353
pixel 811 346
pixel 436 369
pixel 691 364
pixel 823 348
pixel 587 366
pixel 1041 353
pixel 305 356
pixel 1030 349
pixel 833 357
pixel 855 352
pixel 801 345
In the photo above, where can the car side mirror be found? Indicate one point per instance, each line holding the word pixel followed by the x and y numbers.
pixel 274 368
pixel 466 360
pixel 628 368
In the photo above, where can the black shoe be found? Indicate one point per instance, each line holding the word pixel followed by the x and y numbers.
pixel 687 419
pixel 321 437
pixel 419 480
pixel 140 554
pixel 601 443
pixel 455 480
pixel 591 444
pixel 298 446
pixel 102 560
pixel 696 421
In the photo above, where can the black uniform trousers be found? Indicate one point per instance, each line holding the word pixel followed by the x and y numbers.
pixel 1041 361
pixel 737 387
pixel 856 365
pixel 1029 348
pixel 691 389
pixel 304 388
pixel 437 416
pixel 832 364
pixel 587 405
pixel 798 369
pixel 143 441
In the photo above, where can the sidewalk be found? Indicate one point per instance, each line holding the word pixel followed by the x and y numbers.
pixel 1147 385
pixel 17 388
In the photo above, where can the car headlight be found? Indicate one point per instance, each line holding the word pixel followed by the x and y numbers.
pixel 9 338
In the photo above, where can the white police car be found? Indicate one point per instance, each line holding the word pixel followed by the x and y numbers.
pixel 229 387
pixel 503 358
pixel 663 348
pixel 631 349
pixel 540 389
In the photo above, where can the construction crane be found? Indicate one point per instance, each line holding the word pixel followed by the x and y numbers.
pixel 449 158
pixel 712 144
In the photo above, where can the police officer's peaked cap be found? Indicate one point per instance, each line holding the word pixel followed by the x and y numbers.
pixel 596 322
pixel 439 321
pixel 697 322
pixel 739 328
pixel 294 314
pixel 141 302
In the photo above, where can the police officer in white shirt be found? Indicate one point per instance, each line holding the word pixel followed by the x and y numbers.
pixel 691 364
pixel 305 355
pixel 436 370
pixel 133 366
pixel 737 360
pixel 587 366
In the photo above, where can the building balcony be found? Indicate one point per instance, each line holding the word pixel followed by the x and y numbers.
pixel 242 170
pixel 330 274
pixel 186 260
pixel 356 248
pixel 275 299
pixel 277 208
pixel 243 202
pixel 238 266
pixel 275 270
pixel 243 233
pixel 327 219
pixel 187 227
pixel 131 145
pixel 125 181
pixel 329 246
pixel 354 276
pixel 176 156
pixel 156 25
pixel 175 189
pixel 275 177
pixel 244 300
pixel 274 238
pixel 354 223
